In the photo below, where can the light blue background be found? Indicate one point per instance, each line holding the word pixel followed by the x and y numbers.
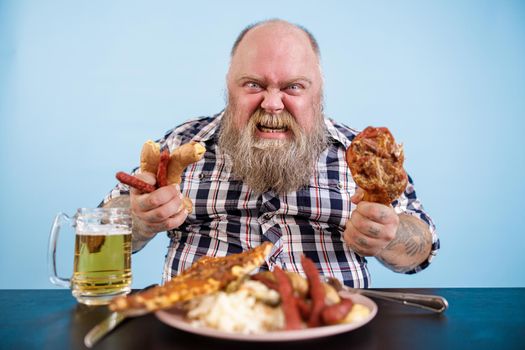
pixel 84 83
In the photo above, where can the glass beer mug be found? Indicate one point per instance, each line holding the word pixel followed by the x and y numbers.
pixel 102 262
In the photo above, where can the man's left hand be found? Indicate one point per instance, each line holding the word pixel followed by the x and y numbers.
pixel 372 226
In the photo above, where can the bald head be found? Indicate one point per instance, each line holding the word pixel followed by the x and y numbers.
pixel 284 49
pixel 242 34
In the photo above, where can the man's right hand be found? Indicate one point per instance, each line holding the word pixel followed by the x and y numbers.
pixel 157 211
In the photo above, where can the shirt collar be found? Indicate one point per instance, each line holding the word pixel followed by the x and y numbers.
pixel 334 134
pixel 210 130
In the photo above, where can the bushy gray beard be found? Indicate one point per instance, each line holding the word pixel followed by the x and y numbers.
pixel 266 164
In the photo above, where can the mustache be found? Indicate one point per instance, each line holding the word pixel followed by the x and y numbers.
pixel 284 121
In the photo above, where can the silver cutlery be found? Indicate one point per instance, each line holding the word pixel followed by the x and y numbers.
pixel 110 323
pixel 433 303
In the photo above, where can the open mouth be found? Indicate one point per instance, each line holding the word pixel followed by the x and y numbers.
pixel 272 125
pixel 266 128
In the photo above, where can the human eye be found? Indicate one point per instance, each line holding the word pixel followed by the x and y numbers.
pixel 295 88
pixel 252 85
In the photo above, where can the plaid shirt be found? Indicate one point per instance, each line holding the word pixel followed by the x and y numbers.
pixel 229 217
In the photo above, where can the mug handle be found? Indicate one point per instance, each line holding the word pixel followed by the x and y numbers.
pixel 60 219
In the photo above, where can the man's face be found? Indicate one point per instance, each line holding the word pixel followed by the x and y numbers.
pixel 276 69
pixel 273 127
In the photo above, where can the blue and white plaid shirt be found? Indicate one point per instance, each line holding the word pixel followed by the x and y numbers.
pixel 228 217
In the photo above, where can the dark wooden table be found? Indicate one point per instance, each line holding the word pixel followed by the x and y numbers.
pixel 477 318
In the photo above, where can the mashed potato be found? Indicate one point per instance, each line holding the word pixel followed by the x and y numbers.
pixel 247 310
pixel 253 308
pixel 359 312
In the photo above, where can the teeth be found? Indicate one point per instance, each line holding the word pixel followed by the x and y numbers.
pixel 266 129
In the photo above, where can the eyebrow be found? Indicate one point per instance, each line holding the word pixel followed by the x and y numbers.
pixel 285 83
pixel 249 77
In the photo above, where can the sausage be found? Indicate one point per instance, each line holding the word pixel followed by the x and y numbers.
pixel 134 182
pixel 162 170
pixel 291 313
pixel 317 292
pixel 305 309
pixel 335 313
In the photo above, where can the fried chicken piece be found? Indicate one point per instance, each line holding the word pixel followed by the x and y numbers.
pixel 376 164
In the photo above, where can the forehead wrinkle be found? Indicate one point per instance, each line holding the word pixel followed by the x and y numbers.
pixel 261 79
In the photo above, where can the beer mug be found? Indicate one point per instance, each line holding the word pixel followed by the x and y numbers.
pixel 102 262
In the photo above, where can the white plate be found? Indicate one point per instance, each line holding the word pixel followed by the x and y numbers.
pixel 175 318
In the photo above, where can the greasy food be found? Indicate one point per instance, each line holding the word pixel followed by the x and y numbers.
pixel 274 301
pixel 376 164
pixel 181 157
pixel 206 276
pixel 150 156
pixel 166 167
pixel 289 306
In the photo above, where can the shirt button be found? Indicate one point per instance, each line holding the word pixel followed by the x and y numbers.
pixel 202 176
pixel 268 216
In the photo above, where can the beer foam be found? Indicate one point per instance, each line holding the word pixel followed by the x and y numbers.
pixel 102 230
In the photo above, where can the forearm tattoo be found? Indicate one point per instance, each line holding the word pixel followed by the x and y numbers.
pixel 410 247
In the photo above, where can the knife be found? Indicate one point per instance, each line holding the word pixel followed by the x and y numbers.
pixel 110 323
pixel 434 303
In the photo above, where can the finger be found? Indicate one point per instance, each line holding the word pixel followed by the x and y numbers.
pixel 358 195
pixel 165 211
pixel 146 177
pixel 176 220
pixel 349 233
pixel 351 237
pixel 170 223
pixel 362 244
pixel 368 247
pixel 377 212
pixel 158 198
pixel 366 226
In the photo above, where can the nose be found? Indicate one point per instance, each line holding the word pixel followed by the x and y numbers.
pixel 272 102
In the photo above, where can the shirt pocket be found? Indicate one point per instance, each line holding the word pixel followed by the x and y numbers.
pixel 214 193
pixel 324 201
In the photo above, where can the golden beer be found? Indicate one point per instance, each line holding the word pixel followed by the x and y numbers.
pixel 102 266
pixel 102 263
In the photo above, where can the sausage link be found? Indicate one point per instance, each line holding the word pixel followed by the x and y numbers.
pixel 317 293
pixel 162 170
pixel 305 309
pixel 291 313
pixel 134 182
pixel 334 314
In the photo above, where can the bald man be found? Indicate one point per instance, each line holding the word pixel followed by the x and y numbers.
pixel 275 170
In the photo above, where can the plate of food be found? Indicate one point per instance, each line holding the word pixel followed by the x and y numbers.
pixel 235 325
pixel 222 297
